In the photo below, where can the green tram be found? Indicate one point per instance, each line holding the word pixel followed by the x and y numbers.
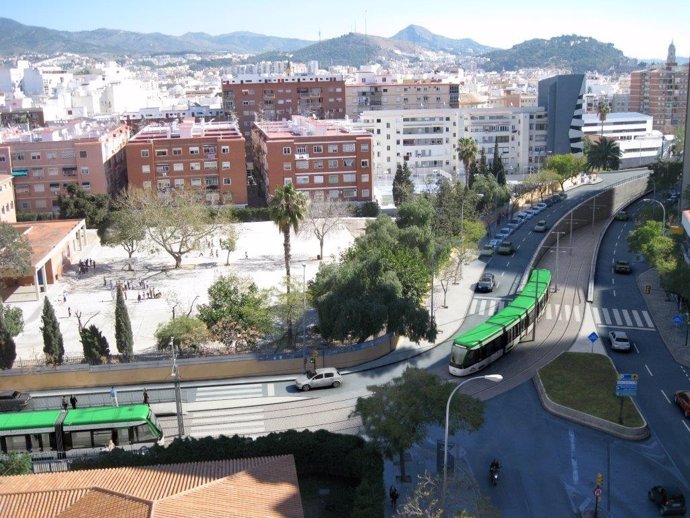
pixel 54 433
pixel 475 349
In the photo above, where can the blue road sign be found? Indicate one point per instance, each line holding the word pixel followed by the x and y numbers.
pixel 677 320
pixel 593 337
pixel 627 384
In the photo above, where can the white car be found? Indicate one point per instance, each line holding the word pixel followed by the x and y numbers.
pixel 486 250
pixel 619 341
pixel 319 378
pixel 541 206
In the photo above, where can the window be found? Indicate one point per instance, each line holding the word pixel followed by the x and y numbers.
pixel 287 166
pixel 37 172
pixel 67 154
pixel 365 193
pixel 364 147
pixel 209 149
pixel 51 155
pixel 349 162
pixel 195 166
pixel 365 177
pixel 318 164
pixel 52 171
pixel 332 148
pixel 301 150
pixel 225 149
pixel 334 195
pixel 2 158
pixel 145 169
pixel 348 148
pixel 161 152
pixel 211 181
pixel 84 170
pixel 18 156
pixel 210 165
pixel 349 193
pixel 176 151
pixel 227 181
pixel 35 155
pixel 287 150
pixel 350 177
pixel 39 187
pixel 82 154
pixel 194 150
pixel 179 182
pixel 225 165
pixel 24 205
pixel 178 166
pixel 54 188
pixel 302 164
pixel 144 153
pixel 146 184
pixel 332 164
pixel 86 186
pixel 318 149
pixel 302 180
pixel 365 163
pixel 196 182
pixel 40 204
pixel 287 181
pixel 333 178
pixel 318 179
pixel 162 168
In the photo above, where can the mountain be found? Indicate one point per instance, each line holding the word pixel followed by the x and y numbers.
pixel 16 38
pixel 425 38
pixel 578 53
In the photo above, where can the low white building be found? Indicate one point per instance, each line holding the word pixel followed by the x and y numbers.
pixel 638 142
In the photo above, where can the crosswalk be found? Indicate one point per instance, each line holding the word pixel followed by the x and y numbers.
pixel 247 421
pixel 621 318
pixel 224 392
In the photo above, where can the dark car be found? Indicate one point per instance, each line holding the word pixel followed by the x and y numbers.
pixel 13 400
pixel 486 283
pixel 682 399
pixel 621 215
pixel 669 499
pixel 622 266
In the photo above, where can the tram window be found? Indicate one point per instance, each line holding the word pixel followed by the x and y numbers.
pixel 123 436
pixel 40 441
pixel 82 440
pixel 142 433
pixel 16 443
pixel 101 438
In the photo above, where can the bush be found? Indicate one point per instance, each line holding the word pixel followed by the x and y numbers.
pixel 247 214
pixel 35 216
pixel 369 209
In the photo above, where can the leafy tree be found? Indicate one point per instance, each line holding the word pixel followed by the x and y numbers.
pixel 13 317
pixel 467 153
pixel 677 281
pixel 124 339
pixel 289 304
pixel 678 142
pixel 396 414
pixel 403 186
pixel 605 154
pixel 228 240
pixel 127 229
pixel 187 333
pixel 565 166
pixel 657 249
pixel 665 174
pixel 287 208
pixel 94 344
pixel 53 345
pixel 544 181
pixel 15 252
pixel 497 168
pixel 482 163
pixel 237 338
pixel 76 203
pixel 8 349
pixel 15 464
pixel 324 217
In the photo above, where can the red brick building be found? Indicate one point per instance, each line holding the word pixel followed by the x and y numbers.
pixel 206 155
pixel 323 158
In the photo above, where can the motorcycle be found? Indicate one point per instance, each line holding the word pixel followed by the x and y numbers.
pixel 493 473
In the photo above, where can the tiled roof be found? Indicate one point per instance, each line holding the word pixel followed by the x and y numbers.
pixel 262 487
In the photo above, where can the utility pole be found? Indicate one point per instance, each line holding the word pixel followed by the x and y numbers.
pixel 175 373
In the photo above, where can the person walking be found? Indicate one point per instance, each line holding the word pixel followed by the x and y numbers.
pixel 146 397
pixel 73 401
pixel 113 396
pixel 64 403
pixel 393 493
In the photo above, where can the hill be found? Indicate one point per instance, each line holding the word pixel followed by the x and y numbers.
pixel 425 38
pixel 576 53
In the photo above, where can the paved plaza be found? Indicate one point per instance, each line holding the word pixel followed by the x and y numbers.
pixel 258 256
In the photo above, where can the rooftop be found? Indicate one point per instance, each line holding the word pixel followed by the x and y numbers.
pixel 301 126
pixel 79 129
pixel 187 129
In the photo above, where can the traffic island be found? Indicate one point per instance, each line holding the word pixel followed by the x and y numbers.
pixel 581 387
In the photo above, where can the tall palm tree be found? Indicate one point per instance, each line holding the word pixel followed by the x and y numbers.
pixel 604 155
pixel 467 152
pixel 287 208
pixel 603 109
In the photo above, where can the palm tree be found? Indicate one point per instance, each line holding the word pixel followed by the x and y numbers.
pixel 467 152
pixel 603 110
pixel 287 209
pixel 604 154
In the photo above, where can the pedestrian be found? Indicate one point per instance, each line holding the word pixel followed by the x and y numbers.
pixel 104 282
pixel 113 396
pixel 246 256
pixel 64 403
pixel 138 297
pixel 93 263
pixel 64 296
pixel 393 493
pixel 146 397
pixel 73 401
pixel 69 312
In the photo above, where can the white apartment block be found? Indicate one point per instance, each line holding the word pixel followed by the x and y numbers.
pixel 638 142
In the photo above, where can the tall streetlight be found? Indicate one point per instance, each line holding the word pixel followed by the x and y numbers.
pixel 496 378
pixel 304 302
pixel 558 254
pixel 663 221
pixel 175 373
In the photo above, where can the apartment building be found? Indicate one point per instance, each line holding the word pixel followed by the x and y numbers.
pixel 406 95
pixel 253 97
pixel 43 161
pixel 563 98
pixel 661 92
pixel 196 155
pixel 326 159
pixel 8 213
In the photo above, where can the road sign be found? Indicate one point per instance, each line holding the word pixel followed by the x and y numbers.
pixel 677 320
pixel 593 337
pixel 628 377
pixel 627 385
pixel 598 491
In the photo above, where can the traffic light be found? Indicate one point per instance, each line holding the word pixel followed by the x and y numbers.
pixel 600 479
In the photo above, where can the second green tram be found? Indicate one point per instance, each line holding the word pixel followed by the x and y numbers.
pixel 53 433
pixel 473 350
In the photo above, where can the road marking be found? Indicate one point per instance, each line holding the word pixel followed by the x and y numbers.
pixel 636 349
pixel 607 318
pixel 626 317
pixel 649 321
pixel 649 371
pixel 617 317
pixel 573 457
pixel 614 293
pixel 597 317
pixel 566 312
pixel 613 281
pixel 578 316
pixel 548 312
pixel 686 425
pixel 638 320
pixel 664 394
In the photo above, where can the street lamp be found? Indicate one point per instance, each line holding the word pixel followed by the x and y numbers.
pixel 304 302
pixel 663 221
pixel 496 378
pixel 175 373
pixel 558 253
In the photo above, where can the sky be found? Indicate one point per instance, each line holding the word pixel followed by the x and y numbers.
pixel 640 28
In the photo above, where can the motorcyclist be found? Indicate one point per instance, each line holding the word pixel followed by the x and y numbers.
pixel 494 466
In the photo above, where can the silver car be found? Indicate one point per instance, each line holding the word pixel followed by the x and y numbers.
pixel 619 341
pixel 319 378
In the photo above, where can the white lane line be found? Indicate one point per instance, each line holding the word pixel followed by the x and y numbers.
pixel 502 274
pixel 573 457
pixel 614 293
pixel 473 307
pixel 578 316
pixel 566 312
pixel 548 312
pixel 638 320
pixel 665 396
pixel 607 317
pixel 613 281
pixel 270 389
pixel 626 317
pixel 636 349
pixel 617 317
pixel 648 370
pixel 647 318
pixel 596 316
pixel 686 425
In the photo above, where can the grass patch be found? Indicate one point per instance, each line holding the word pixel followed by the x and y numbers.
pixel 326 497
pixel 587 382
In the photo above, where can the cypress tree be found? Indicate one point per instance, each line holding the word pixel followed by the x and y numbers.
pixel 8 349
pixel 124 338
pixel 53 345
pixel 95 345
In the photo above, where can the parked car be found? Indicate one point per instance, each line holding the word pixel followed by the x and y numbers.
pixel 670 500
pixel 682 399
pixel 533 211
pixel 506 230
pixel 486 250
pixel 541 226
pixel 541 206
pixel 621 215
pixel 486 283
pixel 502 235
pixel 622 266
pixel 556 198
pixel 495 242
pixel 522 215
pixel 619 341
pixel 319 378
pixel 505 248
pixel 13 400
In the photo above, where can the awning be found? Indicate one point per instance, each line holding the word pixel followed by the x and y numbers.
pixel 20 172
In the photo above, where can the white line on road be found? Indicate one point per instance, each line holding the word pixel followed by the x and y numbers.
pixel 665 396
pixel 649 371
pixel 648 319
pixel 573 458
pixel 636 349
pixel 686 425
pixel 614 293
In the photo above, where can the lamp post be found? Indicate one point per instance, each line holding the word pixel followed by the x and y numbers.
pixel 558 253
pixel 663 221
pixel 175 373
pixel 496 378
pixel 304 303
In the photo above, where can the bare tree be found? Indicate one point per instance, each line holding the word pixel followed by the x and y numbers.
pixel 126 229
pixel 449 273
pixel 324 216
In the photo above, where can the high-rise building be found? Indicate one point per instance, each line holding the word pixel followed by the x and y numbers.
pixel 661 91
pixel 562 97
